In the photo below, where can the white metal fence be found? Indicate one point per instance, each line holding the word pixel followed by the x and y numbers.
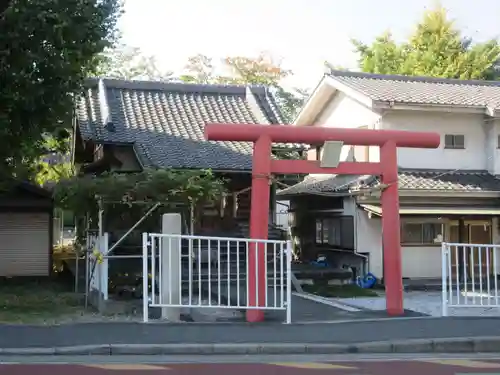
pixel 212 272
pixel 469 276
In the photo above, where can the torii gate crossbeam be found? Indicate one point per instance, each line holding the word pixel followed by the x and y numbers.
pixel 263 166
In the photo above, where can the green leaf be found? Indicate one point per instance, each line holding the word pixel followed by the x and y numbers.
pixel 50 48
pixel 437 48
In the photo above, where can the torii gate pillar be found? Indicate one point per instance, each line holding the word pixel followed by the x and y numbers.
pixel 263 166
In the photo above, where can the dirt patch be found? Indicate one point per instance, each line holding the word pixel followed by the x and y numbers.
pixel 339 291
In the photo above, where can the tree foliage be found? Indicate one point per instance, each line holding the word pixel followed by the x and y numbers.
pixel 48 48
pixel 329 66
pixel 48 173
pixel 261 70
pixel 127 62
pixel 81 194
pixel 436 48
pixel 200 69
pixel 241 70
pixel 55 165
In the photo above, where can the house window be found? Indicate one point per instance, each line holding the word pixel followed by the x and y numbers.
pixel 420 234
pixel 498 141
pixel 456 141
pixel 335 232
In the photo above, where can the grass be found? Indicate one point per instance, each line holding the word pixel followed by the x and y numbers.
pixel 34 301
pixel 339 291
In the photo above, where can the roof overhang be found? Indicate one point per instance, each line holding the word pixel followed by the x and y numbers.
pixel 423 210
pixel 384 105
pixel 285 195
pixel 321 96
pixel 376 193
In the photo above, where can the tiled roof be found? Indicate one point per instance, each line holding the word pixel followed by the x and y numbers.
pixel 422 90
pixel 165 121
pixel 448 180
pixel 430 180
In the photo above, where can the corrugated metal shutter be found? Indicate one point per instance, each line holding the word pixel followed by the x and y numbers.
pixel 24 244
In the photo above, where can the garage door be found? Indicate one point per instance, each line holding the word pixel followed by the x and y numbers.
pixel 24 244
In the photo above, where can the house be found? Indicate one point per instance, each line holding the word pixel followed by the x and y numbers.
pixel 126 126
pixel 449 193
pixel 26 219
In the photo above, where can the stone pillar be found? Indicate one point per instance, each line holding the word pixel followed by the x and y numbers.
pixel 171 266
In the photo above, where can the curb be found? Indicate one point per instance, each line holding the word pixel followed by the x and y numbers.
pixel 437 345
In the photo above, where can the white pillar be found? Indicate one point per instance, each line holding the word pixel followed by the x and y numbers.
pixel 171 266
pixel 495 237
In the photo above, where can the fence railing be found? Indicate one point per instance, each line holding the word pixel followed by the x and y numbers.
pixel 215 272
pixel 469 276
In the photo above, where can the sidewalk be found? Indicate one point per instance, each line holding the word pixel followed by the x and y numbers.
pixel 345 333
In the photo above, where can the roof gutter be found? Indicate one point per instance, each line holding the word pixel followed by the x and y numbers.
pixel 492 112
pixel 403 106
pixel 375 192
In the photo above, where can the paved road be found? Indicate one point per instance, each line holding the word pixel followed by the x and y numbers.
pixel 20 336
pixel 427 367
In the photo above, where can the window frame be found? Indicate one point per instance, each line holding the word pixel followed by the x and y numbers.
pixel 422 224
pixel 318 152
pixel 324 233
pixel 454 145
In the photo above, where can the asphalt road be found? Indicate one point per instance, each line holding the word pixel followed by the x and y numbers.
pixel 383 367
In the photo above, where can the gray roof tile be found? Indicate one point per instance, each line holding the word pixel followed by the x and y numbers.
pixel 430 180
pixel 448 180
pixel 165 121
pixel 422 90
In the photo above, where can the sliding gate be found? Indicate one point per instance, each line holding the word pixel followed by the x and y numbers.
pixel 184 271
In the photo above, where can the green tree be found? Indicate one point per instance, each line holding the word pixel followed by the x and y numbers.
pixel 436 48
pixel 127 62
pixel 48 48
pixel 55 165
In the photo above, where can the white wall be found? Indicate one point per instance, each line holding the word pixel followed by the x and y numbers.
pixel 481 136
pixel 481 152
pixel 470 125
pixel 417 262
pixel 344 112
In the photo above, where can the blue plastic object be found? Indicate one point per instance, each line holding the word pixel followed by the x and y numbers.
pixel 319 263
pixel 368 281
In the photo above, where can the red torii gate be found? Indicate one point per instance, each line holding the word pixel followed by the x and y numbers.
pixel 263 166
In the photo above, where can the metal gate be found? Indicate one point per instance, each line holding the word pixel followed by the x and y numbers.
pixel 469 276
pixel 180 271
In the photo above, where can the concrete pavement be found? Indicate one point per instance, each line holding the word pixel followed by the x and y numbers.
pixel 408 367
pixel 403 335
pixel 342 332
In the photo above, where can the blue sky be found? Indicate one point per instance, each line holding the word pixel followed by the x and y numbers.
pixel 303 33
